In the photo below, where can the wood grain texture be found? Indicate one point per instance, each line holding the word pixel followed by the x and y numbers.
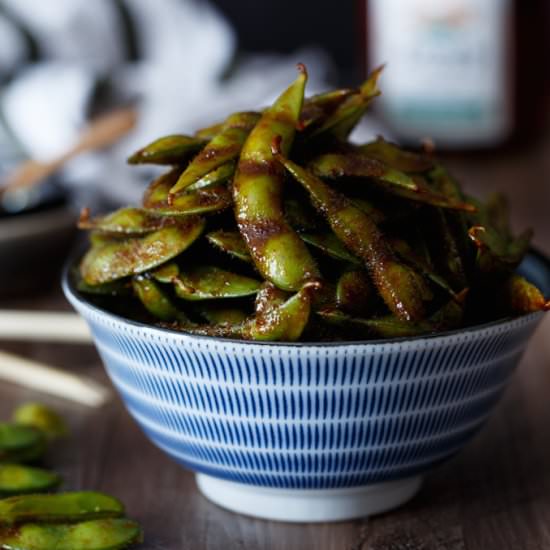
pixel 495 495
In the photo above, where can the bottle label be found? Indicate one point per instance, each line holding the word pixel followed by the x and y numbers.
pixel 447 68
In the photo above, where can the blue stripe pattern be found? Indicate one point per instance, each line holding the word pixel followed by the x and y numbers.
pixel 308 416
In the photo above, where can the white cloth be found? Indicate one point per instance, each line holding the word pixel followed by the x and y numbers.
pixel 185 48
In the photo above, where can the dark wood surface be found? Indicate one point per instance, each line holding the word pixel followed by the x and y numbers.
pixel 494 496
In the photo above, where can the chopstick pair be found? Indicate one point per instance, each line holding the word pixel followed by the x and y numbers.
pixel 51 327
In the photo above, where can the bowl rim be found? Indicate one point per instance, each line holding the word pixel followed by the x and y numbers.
pixel 74 296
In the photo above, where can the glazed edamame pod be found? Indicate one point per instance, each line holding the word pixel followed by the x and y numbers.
pixel 166 273
pixel 174 149
pixel 375 214
pixel 16 479
pixel 496 254
pixel 114 288
pixel 208 132
pixel 100 534
pixel 318 108
pixel 391 155
pixel 209 282
pixel 408 255
pixel 230 242
pixel 277 250
pixel 126 221
pixel 345 117
pixel 222 148
pixel 42 418
pixel 268 298
pixel 355 293
pixel 331 245
pixel 520 296
pixel 132 256
pixel 355 165
pixel 220 175
pixel 213 198
pixel 218 315
pixel 447 317
pixel 401 288
pixel 19 443
pixel 62 507
pixel 282 321
pixel 155 300
pixel 301 216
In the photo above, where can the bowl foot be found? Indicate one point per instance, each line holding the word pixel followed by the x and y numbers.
pixel 308 505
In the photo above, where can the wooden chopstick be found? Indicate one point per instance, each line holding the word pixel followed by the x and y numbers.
pixel 49 326
pixel 47 379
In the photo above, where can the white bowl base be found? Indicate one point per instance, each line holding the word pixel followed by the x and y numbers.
pixel 308 505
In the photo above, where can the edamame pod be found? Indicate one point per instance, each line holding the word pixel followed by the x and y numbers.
pixel 42 418
pixel 132 256
pixel 220 175
pixel 101 534
pixel 391 155
pixel 520 296
pixel 209 282
pixel 355 293
pixel 401 288
pixel 331 245
pixel 282 321
pixel 278 252
pixel 20 443
pixel 62 507
pixel 222 148
pixel 173 149
pixel 342 121
pixel 230 242
pixel 209 199
pixel 155 300
pixel 355 165
pixel 16 479
pixel 126 221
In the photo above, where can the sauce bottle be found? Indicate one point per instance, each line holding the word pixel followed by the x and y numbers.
pixel 469 74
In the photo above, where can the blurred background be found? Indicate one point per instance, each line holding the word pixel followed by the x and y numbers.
pixel 471 75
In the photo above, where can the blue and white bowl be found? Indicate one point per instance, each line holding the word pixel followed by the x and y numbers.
pixel 310 432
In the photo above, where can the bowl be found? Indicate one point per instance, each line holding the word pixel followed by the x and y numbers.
pixel 310 432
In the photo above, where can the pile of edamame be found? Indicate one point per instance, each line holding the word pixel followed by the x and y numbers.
pixel 274 226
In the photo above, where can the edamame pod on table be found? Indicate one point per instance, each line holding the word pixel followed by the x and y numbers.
pixel 100 534
pixel 276 249
pixel 42 418
pixel 20 443
pixel 210 282
pixel 222 148
pixel 16 479
pixel 174 149
pixel 402 289
pixel 230 242
pixel 132 256
pixel 62 507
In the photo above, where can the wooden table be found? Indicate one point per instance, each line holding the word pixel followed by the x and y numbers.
pixel 493 496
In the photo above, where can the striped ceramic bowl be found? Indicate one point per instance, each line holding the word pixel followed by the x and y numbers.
pixel 310 432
